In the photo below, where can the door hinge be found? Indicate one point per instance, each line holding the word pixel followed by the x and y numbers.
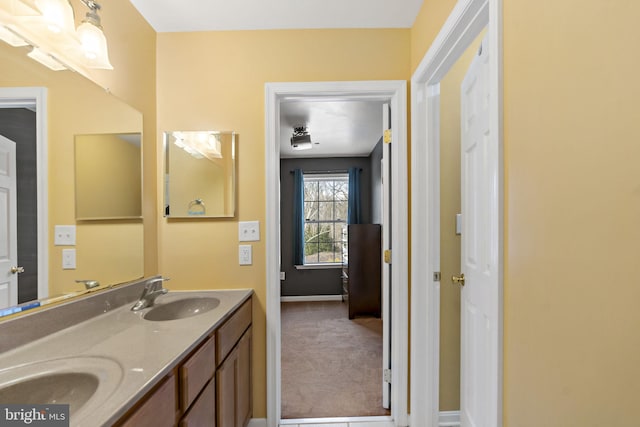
pixel 386 375
pixel 387 256
pixel 436 276
pixel 387 136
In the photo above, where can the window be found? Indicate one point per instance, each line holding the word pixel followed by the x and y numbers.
pixel 326 198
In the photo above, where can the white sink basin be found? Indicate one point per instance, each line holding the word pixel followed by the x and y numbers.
pixel 81 382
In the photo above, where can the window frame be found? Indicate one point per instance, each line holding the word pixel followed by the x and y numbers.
pixel 332 177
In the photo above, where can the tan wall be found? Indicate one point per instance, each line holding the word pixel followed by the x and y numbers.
pixel 218 83
pixel 572 208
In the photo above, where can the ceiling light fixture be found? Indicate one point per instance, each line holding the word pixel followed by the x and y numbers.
pixel 300 140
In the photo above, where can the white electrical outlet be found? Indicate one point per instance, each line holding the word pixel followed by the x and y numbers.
pixel 64 235
pixel 68 259
pixel 244 255
pixel 249 231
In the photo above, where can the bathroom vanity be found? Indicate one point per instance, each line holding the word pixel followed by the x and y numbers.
pixel 186 361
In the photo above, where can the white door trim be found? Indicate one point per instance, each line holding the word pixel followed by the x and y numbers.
pixel 16 97
pixel 396 92
pixel 465 22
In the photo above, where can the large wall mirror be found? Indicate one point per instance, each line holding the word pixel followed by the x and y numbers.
pixel 200 174
pixel 108 176
pixel 109 251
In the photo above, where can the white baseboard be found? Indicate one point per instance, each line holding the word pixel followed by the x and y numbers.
pixel 310 298
pixel 449 419
pixel 257 422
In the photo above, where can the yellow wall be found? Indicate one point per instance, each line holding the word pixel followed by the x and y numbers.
pixel 573 207
pixel 132 51
pixel 218 83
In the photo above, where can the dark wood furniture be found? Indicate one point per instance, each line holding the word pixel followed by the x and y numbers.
pixel 364 269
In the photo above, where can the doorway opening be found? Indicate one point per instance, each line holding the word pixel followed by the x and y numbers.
pixel 23 119
pixel 393 92
pixel 467 21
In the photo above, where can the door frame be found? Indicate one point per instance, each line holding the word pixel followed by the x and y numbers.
pixel 36 97
pixel 467 19
pixel 396 92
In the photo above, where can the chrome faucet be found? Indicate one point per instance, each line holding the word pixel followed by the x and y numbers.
pixel 152 290
pixel 89 284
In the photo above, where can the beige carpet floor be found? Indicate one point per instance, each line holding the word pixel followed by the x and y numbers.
pixel 331 366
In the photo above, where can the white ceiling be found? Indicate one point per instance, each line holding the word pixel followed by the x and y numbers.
pixel 337 127
pixel 212 15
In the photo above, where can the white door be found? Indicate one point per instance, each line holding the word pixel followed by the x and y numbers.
pixel 8 224
pixel 479 391
pixel 386 267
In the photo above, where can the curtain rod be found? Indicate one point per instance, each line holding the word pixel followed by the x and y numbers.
pixel 329 171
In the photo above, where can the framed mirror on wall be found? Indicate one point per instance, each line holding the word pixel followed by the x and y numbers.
pixel 200 168
pixel 108 176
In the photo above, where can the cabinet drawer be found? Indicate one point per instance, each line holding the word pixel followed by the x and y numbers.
pixel 203 411
pixel 158 410
pixel 228 334
pixel 196 372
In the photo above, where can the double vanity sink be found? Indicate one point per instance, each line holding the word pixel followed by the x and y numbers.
pixel 102 366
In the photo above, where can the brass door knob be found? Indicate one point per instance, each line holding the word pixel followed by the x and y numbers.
pixel 459 280
pixel 17 270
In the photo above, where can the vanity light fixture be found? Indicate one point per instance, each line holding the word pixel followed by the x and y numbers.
pixel 57 15
pixel 94 43
pixel 46 59
pixel 48 26
pixel 200 144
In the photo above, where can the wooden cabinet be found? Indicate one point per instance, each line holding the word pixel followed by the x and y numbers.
pixel 234 385
pixel 211 387
pixel 158 408
pixel 364 270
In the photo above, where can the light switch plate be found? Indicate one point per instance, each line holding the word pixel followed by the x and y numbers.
pixel 244 255
pixel 68 259
pixel 64 235
pixel 249 231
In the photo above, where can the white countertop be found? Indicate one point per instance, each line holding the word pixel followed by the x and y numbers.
pixel 138 352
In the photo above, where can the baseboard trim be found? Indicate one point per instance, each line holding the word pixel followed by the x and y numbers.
pixel 257 422
pixel 449 419
pixel 311 298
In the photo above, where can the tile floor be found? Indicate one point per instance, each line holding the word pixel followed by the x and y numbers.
pixel 339 422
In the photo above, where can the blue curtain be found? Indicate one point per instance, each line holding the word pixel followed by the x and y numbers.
pixel 298 217
pixel 354 213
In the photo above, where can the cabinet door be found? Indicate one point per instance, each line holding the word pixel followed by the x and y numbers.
pixel 158 410
pixel 203 410
pixel 243 383
pixel 233 380
pixel 226 386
